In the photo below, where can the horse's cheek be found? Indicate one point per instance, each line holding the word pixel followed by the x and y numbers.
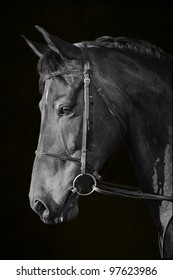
pixel 74 134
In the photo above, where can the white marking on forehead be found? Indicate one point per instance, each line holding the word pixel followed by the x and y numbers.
pixel 47 85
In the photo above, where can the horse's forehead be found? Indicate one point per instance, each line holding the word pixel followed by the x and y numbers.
pixel 46 91
pixel 60 87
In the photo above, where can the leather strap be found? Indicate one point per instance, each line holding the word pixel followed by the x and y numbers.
pixel 127 191
pixel 86 109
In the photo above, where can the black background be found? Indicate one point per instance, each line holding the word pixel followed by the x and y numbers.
pixel 106 228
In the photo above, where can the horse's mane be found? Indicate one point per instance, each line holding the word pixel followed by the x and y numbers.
pixel 51 61
pixel 132 45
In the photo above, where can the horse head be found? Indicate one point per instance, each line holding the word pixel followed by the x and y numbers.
pixel 58 155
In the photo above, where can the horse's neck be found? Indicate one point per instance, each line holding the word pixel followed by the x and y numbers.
pixel 150 132
pixel 152 158
pixel 149 141
pixel 140 89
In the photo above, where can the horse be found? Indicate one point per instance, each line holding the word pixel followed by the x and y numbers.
pixel 96 94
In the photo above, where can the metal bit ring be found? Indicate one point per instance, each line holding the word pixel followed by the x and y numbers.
pixel 74 188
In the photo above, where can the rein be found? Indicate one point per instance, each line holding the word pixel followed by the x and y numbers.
pixel 98 185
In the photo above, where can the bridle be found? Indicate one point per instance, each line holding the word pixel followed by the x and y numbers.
pixel 97 184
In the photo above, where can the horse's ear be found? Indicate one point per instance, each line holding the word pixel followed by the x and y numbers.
pixel 63 48
pixel 37 48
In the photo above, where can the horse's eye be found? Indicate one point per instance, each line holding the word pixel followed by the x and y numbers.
pixel 65 110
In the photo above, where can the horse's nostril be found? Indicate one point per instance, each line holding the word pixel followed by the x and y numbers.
pixel 41 209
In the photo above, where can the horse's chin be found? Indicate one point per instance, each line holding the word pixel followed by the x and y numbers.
pixel 66 216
